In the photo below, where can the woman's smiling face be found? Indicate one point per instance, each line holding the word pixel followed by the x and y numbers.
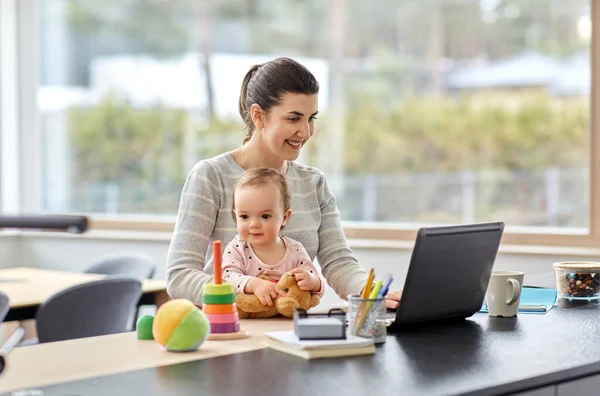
pixel 289 125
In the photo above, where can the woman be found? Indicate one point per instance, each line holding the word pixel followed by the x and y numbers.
pixel 279 105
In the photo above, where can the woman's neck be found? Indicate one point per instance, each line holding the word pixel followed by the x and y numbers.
pixel 252 155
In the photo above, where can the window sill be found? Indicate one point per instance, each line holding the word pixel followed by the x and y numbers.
pixel 9 233
pixel 400 245
pixel 504 248
pixel 377 234
pixel 150 236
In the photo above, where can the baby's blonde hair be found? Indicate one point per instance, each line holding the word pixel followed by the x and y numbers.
pixel 257 177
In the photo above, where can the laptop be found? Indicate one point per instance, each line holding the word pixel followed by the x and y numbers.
pixel 449 272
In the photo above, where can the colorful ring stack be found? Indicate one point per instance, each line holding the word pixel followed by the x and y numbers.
pixel 218 303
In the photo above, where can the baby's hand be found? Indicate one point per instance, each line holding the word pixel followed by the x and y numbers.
pixel 265 290
pixel 306 281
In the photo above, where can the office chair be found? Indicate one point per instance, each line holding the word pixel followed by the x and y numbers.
pixel 14 339
pixel 90 309
pixel 4 306
pixel 137 265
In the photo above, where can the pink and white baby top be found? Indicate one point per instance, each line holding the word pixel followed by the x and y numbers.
pixel 240 264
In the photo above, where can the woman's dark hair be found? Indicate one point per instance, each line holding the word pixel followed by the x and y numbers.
pixel 266 84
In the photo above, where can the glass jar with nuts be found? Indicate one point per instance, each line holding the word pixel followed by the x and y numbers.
pixel 578 280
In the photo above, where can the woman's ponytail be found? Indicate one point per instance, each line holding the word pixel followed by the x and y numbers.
pixel 244 106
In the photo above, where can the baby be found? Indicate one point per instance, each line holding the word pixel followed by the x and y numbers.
pixel 261 208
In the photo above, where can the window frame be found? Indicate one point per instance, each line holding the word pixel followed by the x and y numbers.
pixel 28 174
pixel 19 133
pixel 8 104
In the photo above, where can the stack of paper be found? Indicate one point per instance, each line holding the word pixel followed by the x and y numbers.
pixel 288 342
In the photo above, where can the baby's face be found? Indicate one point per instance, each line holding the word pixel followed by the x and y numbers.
pixel 259 214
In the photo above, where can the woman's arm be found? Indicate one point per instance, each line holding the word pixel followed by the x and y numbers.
pixel 338 264
pixel 196 218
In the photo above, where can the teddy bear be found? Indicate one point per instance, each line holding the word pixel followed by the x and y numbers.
pixel 249 306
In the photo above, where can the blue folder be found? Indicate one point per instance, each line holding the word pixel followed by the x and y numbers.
pixel 534 300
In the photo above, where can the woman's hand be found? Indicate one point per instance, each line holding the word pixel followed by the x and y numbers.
pixel 392 299
pixel 265 290
pixel 306 281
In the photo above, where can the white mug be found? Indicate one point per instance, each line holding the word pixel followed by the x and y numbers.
pixel 504 293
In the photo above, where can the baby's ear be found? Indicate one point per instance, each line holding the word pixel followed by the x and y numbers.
pixel 286 217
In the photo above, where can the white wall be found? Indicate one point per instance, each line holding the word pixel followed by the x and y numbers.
pixel 75 253
pixel 9 251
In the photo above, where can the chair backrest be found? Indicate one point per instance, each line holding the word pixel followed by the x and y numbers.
pixel 4 306
pixel 89 309
pixel 137 265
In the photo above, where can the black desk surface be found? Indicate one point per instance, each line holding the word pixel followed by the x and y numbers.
pixel 479 356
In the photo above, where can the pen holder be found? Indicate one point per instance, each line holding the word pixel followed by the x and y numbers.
pixel 367 317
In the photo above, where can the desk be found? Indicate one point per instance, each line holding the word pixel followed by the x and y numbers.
pixel 480 356
pixel 27 288
pixel 38 365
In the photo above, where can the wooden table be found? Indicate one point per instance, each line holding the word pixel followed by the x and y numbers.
pixel 27 288
pixel 58 362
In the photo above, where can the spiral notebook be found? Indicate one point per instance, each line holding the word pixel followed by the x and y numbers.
pixel 288 342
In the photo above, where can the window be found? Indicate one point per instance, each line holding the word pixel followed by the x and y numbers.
pixel 8 90
pixel 431 112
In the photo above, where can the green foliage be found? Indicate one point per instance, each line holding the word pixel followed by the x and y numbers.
pixel 136 26
pixel 426 134
pixel 220 136
pixel 146 153
pixel 117 143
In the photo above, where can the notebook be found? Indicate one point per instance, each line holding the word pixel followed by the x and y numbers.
pixel 288 342
pixel 534 300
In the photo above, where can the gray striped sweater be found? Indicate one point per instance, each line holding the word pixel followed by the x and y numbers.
pixel 205 215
